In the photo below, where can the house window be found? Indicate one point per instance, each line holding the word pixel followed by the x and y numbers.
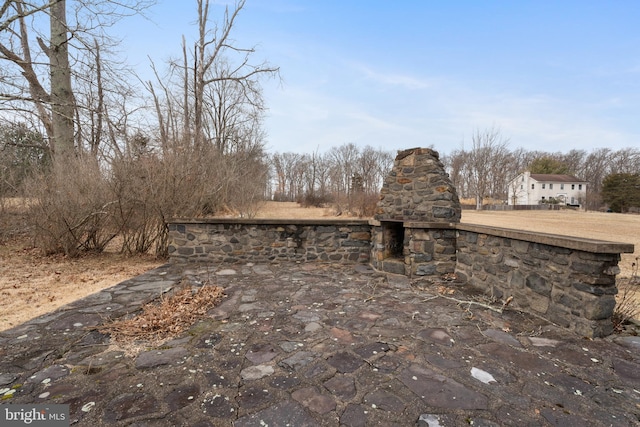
pixel 562 186
pixel 533 186
pixel 521 187
pixel 550 186
pixel 573 186
pixel 543 186
pixel 579 186
pixel 543 196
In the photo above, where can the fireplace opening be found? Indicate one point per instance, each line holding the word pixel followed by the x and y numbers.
pixel 393 233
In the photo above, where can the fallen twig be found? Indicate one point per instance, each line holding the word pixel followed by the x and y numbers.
pixel 480 304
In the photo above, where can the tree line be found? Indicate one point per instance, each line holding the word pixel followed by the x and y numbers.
pixel 347 177
pixel 483 171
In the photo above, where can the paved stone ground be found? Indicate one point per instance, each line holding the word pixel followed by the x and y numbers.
pixel 320 345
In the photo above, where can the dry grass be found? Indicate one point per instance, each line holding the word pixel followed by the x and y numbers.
pixel 167 318
pixel 293 210
pixel 627 300
pixel 32 284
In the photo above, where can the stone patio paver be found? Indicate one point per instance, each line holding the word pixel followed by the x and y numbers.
pixel 316 345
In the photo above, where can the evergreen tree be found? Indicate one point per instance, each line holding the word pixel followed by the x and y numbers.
pixel 548 165
pixel 621 191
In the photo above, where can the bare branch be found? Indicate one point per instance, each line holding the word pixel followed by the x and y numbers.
pixel 21 14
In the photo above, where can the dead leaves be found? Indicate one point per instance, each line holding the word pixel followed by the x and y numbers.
pixel 445 290
pixel 170 317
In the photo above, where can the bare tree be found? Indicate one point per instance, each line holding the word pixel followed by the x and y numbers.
pixel 212 55
pixel 373 166
pixel 626 160
pixel 234 113
pixel 9 15
pixel 19 66
pixel 456 165
pixel 62 99
pixel 37 76
pixel 344 160
pixel 286 167
pixel 346 177
pixel 486 157
pixel 597 167
pixel 574 160
pixel 209 110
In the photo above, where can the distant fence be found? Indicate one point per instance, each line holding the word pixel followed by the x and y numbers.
pixel 540 207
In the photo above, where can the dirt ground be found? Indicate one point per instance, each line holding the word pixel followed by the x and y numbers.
pixel 32 284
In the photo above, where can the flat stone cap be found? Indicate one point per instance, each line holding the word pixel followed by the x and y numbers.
pixel 570 242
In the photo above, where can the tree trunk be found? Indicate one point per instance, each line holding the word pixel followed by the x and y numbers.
pixel 62 105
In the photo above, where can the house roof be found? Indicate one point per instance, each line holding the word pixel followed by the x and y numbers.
pixel 543 177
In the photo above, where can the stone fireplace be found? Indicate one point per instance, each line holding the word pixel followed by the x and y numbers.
pixel 414 226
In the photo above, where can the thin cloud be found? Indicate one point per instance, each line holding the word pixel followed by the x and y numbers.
pixel 394 79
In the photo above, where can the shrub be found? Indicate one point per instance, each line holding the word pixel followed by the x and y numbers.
pixel 151 190
pixel 365 204
pixel 79 207
pixel 71 208
pixel 628 300
pixel 315 200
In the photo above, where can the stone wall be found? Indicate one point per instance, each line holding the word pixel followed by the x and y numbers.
pixel 569 281
pixel 416 232
pixel 242 240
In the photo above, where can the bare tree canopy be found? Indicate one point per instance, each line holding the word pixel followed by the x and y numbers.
pixel 213 94
pixel 53 74
pixel 487 158
pixel 347 176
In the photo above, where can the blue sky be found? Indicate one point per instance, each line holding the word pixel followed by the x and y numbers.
pixel 552 75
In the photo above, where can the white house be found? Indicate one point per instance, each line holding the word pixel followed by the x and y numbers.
pixel 534 188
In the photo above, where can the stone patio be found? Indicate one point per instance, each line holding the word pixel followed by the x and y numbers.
pixel 319 344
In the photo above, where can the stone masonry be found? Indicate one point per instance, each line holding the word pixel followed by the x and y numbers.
pixel 569 281
pixel 232 241
pixel 414 225
pixel 418 189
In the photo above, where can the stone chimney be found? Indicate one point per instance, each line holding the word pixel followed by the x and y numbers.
pixel 414 224
pixel 418 189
